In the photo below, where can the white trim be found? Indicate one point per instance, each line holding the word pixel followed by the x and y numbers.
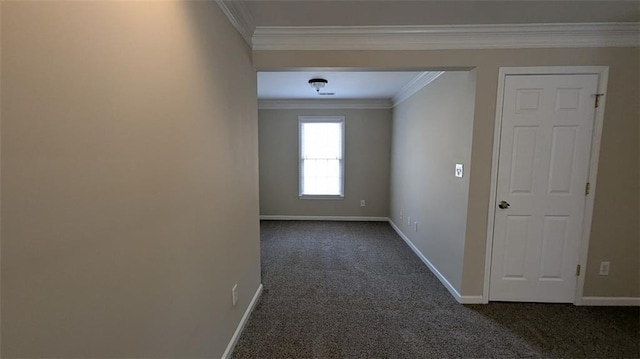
pixel 415 85
pixel 236 335
pixel 470 299
pixel 611 301
pixel 322 218
pixel 593 175
pixel 603 72
pixel 324 104
pixel 466 299
pixel 239 17
pixel 336 197
pixel 441 37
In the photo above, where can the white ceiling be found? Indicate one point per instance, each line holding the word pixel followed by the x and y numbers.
pixel 430 12
pixel 346 85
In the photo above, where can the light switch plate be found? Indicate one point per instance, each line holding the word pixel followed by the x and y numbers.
pixel 459 170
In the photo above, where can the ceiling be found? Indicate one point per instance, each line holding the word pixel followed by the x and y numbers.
pixel 345 85
pixel 428 12
pixel 271 14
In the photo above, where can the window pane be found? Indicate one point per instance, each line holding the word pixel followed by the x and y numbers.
pixel 321 176
pixel 321 150
pixel 322 140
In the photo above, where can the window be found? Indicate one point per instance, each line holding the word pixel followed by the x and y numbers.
pixel 321 142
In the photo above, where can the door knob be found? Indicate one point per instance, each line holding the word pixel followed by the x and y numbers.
pixel 503 204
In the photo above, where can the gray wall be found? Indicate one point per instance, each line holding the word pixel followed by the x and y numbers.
pixel 367 141
pixel 129 179
pixel 431 133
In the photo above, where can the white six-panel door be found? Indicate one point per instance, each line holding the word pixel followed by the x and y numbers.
pixel 545 143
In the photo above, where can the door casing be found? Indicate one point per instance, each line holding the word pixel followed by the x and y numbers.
pixel 603 75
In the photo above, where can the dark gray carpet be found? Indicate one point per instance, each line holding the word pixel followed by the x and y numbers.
pixel 355 290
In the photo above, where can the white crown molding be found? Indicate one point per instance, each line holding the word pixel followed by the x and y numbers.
pixel 441 37
pixel 239 17
pixel 415 85
pixel 324 104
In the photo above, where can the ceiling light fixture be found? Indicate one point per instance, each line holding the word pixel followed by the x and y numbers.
pixel 318 84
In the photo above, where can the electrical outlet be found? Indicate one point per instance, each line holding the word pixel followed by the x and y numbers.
pixel 415 226
pixel 362 203
pixel 234 294
pixel 604 268
pixel 408 220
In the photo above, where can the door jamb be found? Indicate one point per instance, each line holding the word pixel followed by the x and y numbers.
pixel 603 75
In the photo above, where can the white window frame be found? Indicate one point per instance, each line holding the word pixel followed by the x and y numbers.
pixel 322 119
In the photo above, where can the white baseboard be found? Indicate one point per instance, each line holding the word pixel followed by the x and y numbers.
pixel 243 322
pixel 470 299
pixel 463 299
pixel 323 218
pixel 611 301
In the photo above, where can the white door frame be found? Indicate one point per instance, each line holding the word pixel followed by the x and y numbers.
pixel 603 75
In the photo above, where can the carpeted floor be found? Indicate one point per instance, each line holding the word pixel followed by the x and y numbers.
pixel 355 290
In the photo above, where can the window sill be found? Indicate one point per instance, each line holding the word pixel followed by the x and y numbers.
pixel 314 196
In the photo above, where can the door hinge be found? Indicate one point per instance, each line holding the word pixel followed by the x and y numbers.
pixel 577 270
pixel 598 99
pixel 587 189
